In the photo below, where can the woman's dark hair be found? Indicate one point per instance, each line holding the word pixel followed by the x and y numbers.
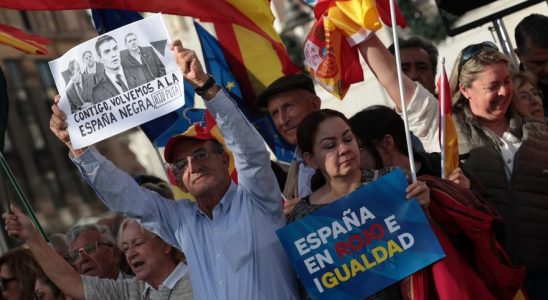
pixel 306 133
pixel 372 124
pixel 55 290
pixel 24 268
pixel 308 128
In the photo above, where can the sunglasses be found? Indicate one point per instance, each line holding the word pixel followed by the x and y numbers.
pixel 470 51
pixel 90 249
pixel 5 281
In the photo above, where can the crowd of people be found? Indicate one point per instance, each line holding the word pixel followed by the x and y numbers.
pixel 224 245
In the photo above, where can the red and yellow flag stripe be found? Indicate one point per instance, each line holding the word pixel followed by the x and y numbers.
pixel 20 40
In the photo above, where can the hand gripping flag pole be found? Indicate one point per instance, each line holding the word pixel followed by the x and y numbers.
pixel 26 205
pixel 4 164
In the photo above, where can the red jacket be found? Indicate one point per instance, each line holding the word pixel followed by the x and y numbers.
pixel 475 266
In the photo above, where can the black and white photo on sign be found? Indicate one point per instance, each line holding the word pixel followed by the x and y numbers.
pixel 118 80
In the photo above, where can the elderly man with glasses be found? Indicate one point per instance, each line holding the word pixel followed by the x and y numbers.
pixel 92 251
pixel 228 234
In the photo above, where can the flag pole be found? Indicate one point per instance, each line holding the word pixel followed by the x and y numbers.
pixel 402 99
pixel 442 92
pixel 19 191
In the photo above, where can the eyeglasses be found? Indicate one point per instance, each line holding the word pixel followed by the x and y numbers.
pixel 90 249
pixel 5 281
pixel 470 51
pixel 198 155
pixel 531 96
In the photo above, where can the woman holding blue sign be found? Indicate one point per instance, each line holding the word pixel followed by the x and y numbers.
pixel 329 145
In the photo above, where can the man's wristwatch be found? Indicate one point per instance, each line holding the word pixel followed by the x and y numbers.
pixel 202 90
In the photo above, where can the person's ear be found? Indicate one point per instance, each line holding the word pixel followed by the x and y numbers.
pixel 464 91
pixel 309 160
pixel 316 102
pixel 518 53
pixel 390 143
pixel 387 143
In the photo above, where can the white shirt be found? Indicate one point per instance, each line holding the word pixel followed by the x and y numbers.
pixel 509 145
pixel 179 272
pixel 113 79
pixel 423 116
pixel 136 56
pixel 91 70
pixel 304 175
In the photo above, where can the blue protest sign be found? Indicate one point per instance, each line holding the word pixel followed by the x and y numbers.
pixel 361 243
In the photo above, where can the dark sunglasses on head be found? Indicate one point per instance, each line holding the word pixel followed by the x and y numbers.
pixel 5 281
pixel 470 51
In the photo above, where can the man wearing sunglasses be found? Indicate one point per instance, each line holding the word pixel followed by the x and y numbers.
pixel 228 234
pixel 92 251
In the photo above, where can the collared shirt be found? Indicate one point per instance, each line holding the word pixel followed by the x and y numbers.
pixel 304 176
pixel 172 279
pixel 509 145
pixel 91 70
pixel 136 56
pixel 96 288
pixel 78 88
pixel 234 255
pixel 113 79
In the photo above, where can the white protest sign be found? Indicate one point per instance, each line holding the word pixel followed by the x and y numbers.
pixel 117 81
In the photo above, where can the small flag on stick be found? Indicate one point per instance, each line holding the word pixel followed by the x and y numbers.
pixel 449 142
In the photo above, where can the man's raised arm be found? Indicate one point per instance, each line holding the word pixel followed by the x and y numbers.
pixel 251 157
pixel 117 189
pixel 422 106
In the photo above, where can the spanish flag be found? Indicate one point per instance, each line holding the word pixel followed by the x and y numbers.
pixel 449 141
pixel 253 15
pixel 20 40
pixel 340 25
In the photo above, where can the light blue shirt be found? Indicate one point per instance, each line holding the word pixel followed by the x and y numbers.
pixel 304 175
pixel 236 255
